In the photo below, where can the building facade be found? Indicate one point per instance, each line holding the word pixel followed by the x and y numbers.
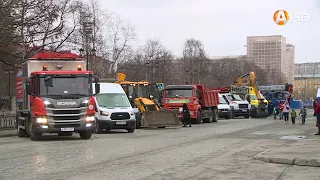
pixel 307 68
pixel 305 86
pixel 274 55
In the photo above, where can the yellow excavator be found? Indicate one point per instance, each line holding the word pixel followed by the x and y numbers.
pixel 248 83
pixel 146 97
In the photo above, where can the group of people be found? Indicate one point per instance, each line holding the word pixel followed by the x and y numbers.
pixel 283 110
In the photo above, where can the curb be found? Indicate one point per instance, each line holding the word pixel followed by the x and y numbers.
pixel 294 161
pixel 8 133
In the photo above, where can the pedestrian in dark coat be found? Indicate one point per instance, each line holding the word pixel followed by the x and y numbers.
pixel 270 108
pixel 186 115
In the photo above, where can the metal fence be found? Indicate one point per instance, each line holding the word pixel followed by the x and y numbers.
pixel 7 114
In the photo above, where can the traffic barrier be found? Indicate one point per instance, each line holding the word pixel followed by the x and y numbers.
pixel 7 120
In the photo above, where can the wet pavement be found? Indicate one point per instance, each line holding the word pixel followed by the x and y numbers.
pixel 222 150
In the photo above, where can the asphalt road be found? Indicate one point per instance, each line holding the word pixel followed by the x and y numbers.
pixel 222 150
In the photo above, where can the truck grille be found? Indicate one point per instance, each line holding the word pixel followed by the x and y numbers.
pixel 243 106
pixel 64 125
pixel 120 116
pixel 66 111
pixel 68 117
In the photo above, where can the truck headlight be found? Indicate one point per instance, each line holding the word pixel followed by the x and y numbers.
pixel 84 103
pixel 42 120
pixel 90 118
pixel 102 113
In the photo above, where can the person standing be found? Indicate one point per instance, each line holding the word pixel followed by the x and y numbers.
pixel 186 115
pixel 317 113
pixel 286 109
pixel 293 116
pixel 303 113
pixel 270 108
pixel 280 107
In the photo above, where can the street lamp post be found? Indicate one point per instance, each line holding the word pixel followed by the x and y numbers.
pixel 93 52
pixel 9 72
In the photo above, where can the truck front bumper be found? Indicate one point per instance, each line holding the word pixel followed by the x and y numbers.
pixel 44 128
pixel 241 112
pixel 224 113
pixel 121 124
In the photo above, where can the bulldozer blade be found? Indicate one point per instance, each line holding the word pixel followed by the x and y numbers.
pixel 159 119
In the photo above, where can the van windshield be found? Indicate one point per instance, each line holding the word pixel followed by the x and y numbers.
pixel 112 100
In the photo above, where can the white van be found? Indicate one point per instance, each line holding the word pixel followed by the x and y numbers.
pixel 113 109
pixel 224 110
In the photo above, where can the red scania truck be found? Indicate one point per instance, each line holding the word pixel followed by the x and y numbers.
pixel 54 95
pixel 202 102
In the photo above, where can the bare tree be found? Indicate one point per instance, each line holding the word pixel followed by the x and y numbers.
pixel 193 57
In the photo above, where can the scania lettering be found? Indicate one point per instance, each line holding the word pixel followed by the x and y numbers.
pixel 54 95
pixel 66 103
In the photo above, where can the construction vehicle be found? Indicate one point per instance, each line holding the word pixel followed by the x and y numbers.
pixel 276 93
pixel 54 95
pixel 247 86
pixel 146 97
pixel 202 102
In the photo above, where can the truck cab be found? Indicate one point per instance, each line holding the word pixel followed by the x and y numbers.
pixel 54 95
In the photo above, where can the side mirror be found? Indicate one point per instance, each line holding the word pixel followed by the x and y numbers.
pixel 28 86
pixel 97 88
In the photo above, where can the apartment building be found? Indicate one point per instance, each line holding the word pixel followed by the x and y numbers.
pixel 307 68
pixel 274 55
pixel 305 86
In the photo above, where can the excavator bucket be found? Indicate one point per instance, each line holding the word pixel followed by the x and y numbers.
pixel 159 119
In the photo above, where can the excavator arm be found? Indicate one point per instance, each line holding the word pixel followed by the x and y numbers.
pixel 249 79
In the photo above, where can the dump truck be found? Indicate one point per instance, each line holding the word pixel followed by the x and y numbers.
pixel 247 85
pixel 202 102
pixel 54 95
pixel 146 97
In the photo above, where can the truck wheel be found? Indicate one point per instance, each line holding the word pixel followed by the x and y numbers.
pixel 215 115
pixel 85 134
pixel 22 132
pixel 33 135
pixel 131 130
pixel 199 118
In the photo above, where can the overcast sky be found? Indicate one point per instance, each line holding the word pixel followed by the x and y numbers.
pixel 222 26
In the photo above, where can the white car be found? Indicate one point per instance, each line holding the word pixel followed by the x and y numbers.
pixel 224 110
pixel 239 107
pixel 113 109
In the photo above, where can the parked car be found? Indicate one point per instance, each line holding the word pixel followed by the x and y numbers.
pixel 224 110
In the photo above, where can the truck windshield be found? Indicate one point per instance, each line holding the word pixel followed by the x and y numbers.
pixel 112 100
pixel 237 97
pixel 66 86
pixel 179 93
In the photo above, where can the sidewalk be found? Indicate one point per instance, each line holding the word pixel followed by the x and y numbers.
pixel 301 149
pixel 8 133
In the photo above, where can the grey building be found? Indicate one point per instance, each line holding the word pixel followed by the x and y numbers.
pixel 272 54
pixel 307 68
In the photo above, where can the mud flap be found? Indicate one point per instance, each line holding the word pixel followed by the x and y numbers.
pixel 159 119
